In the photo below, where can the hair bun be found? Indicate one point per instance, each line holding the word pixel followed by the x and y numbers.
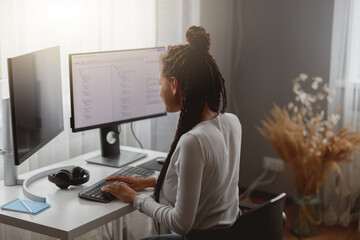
pixel 198 38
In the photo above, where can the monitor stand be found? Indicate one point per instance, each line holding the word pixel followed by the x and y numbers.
pixel 10 169
pixel 111 155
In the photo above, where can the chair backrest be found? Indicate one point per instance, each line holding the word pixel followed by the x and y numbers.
pixel 265 221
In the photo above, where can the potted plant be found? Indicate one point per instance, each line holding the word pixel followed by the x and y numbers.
pixel 310 147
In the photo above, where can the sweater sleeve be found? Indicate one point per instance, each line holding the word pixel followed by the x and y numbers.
pixel 189 166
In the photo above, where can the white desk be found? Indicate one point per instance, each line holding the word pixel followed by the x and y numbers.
pixel 69 216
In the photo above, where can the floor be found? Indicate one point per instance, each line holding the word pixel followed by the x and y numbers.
pixel 325 233
pixel 328 233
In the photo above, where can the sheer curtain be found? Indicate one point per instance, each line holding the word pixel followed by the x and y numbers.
pixel 77 26
pixel 342 195
pixel 173 19
pixel 83 26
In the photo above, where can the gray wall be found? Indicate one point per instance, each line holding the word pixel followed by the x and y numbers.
pixel 260 46
pixel 280 39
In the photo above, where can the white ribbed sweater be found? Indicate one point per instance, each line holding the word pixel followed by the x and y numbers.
pixel 200 190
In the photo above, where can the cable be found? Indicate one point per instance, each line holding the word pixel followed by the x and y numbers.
pixel 258 182
pixel 253 185
pixel 108 231
pixel 247 194
pixel 132 130
pixel 119 129
pixel 270 180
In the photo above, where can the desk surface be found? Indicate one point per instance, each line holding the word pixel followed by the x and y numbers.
pixel 69 216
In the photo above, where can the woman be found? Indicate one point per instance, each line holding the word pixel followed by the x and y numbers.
pixel 197 188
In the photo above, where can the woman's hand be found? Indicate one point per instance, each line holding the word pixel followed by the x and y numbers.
pixel 137 184
pixel 122 191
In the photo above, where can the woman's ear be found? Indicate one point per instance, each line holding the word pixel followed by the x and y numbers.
pixel 174 85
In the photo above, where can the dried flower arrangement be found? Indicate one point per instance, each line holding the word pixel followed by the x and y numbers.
pixel 305 140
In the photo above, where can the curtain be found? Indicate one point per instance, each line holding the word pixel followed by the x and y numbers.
pixel 173 19
pixel 342 195
pixel 88 26
pixel 77 26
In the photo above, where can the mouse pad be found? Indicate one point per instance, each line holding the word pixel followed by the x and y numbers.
pixel 152 164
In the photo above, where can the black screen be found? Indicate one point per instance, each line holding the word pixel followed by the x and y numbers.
pixel 35 101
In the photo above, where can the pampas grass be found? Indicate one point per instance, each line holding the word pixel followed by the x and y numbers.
pixel 306 142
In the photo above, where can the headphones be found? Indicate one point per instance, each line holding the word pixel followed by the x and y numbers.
pixel 65 177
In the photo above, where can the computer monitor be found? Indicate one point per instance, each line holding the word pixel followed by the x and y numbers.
pixel 36 110
pixel 113 87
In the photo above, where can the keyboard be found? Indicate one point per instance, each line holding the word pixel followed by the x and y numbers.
pixel 94 192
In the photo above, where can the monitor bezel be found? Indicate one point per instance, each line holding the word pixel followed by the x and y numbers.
pixel 18 160
pixel 108 124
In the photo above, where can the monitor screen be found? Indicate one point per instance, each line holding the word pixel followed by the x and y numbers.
pixel 35 101
pixel 114 87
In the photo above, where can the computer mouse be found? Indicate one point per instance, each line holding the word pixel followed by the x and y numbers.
pixel 160 160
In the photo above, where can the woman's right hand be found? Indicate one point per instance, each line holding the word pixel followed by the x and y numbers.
pixel 137 184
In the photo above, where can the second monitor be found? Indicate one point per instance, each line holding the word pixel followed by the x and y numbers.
pixel 110 88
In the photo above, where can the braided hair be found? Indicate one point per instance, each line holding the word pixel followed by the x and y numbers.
pixel 200 81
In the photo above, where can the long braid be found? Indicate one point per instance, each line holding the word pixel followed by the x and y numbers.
pixel 165 167
pixel 213 98
pixel 195 69
pixel 221 80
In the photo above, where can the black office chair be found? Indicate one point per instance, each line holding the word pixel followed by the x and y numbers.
pixel 265 221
